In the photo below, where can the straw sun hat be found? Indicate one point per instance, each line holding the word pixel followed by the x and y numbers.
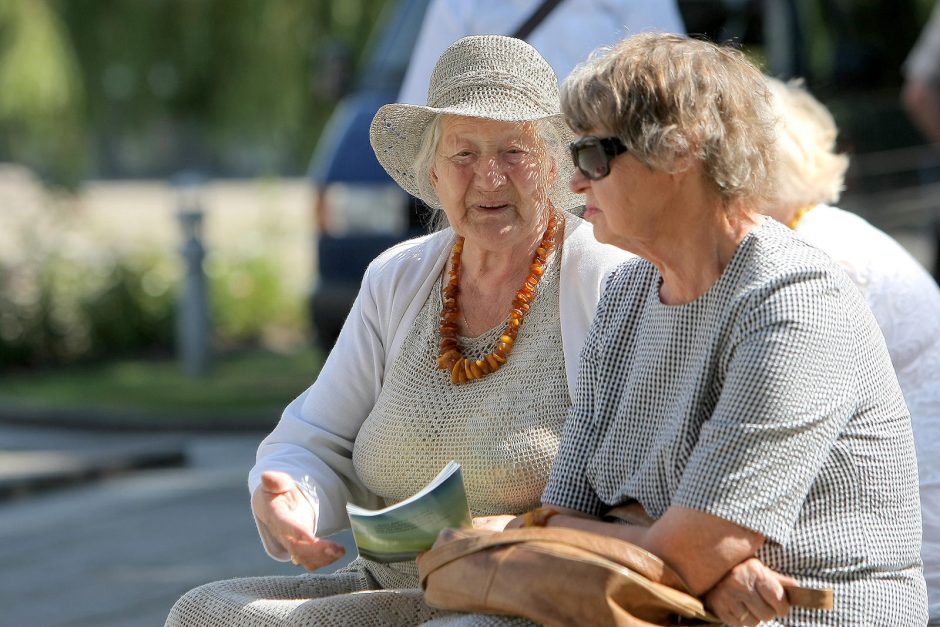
pixel 487 76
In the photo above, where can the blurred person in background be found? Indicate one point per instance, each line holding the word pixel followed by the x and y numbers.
pixel 462 345
pixel 565 36
pixel 734 384
pixel 902 295
pixel 921 91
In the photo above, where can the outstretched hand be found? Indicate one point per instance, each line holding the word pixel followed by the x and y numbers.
pixel 280 506
pixel 750 593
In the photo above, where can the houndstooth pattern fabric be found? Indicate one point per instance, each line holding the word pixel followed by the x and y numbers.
pixel 503 428
pixel 336 600
pixel 769 401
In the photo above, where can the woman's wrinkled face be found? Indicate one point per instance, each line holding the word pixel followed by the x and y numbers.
pixel 492 179
pixel 630 205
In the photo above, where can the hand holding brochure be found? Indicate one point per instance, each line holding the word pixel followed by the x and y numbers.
pixel 399 532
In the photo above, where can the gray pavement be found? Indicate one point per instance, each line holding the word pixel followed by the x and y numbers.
pixel 117 545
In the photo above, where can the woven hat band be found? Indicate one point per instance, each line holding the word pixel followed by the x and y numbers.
pixel 482 63
pixel 488 95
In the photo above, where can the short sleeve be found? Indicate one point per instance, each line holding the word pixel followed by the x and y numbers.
pixel 787 395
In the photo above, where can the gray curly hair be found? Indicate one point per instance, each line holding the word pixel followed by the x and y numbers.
pixel 668 98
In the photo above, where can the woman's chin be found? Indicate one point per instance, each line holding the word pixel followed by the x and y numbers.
pixel 600 231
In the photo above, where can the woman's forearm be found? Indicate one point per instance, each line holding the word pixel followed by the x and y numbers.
pixel 700 547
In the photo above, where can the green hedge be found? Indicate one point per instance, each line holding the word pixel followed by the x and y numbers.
pixel 57 310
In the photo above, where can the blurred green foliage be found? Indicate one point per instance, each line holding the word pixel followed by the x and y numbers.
pixel 61 307
pixel 41 91
pixel 147 88
pixel 249 299
pixel 72 313
pixel 150 87
pixel 249 387
pixel 847 47
pixel 56 310
pixel 128 312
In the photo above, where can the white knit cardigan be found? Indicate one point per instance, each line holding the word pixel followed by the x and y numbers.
pixel 313 442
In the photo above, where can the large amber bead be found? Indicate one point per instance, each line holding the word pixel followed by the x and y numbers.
pixel 448 344
pixel 457 374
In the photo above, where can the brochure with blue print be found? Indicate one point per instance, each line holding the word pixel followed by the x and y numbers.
pixel 399 532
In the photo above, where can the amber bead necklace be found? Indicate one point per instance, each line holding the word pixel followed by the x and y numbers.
pixel 798 216
pixel 463 370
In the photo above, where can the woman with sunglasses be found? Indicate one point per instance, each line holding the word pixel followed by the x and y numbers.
pixel 734 384
pixel 462 345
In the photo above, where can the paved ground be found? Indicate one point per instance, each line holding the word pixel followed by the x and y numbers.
pixel 119 549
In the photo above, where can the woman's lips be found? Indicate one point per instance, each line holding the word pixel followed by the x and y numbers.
pixel 590 210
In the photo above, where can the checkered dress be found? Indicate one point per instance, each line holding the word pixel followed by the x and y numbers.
pixel 769 401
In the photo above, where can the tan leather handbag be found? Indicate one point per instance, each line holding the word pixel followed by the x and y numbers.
pixel 557 576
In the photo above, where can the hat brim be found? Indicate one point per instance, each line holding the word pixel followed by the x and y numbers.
pixel 397 130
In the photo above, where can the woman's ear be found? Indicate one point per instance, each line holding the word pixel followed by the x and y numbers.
pixel 687 159
pixel 683 163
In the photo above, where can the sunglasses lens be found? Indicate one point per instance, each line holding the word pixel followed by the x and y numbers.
pixel 591 160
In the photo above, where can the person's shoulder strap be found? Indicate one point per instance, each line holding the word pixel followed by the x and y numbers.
pixel 536 18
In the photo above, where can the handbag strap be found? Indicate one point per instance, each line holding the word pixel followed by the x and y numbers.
pixel 540 13
pixel 812 598
pixel 620 551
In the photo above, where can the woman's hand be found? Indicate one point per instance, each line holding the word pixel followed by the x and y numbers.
pixel 496 523
pixel 285 512
pixel 749 594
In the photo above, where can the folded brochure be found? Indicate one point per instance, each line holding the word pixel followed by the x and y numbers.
pixel 399 532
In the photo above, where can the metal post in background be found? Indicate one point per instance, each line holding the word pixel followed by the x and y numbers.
pixel 192 316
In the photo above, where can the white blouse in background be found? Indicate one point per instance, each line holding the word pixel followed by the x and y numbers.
pixel 906 302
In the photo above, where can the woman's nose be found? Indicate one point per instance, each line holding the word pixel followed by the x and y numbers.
pixel 490 173
pixel 579 183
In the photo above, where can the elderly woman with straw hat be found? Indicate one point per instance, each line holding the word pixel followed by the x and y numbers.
pixel 462 344
pixel 735 387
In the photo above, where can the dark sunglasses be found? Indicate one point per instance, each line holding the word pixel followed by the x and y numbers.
pixel 592 155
